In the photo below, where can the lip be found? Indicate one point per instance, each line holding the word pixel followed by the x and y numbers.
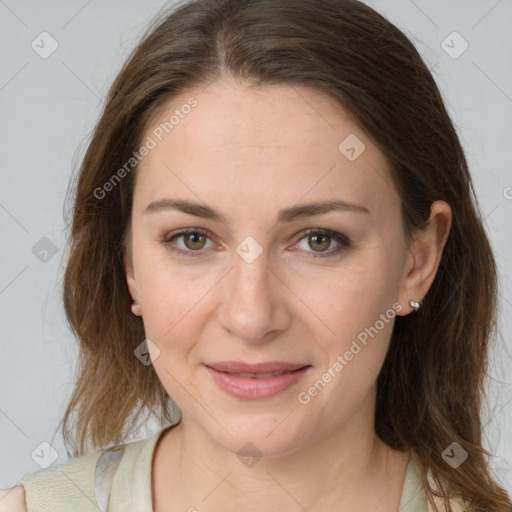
pixel 225 375
pixel 241 367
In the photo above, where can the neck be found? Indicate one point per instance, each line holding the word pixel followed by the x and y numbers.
pixel 349 468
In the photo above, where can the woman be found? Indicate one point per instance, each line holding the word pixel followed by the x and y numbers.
pixel 275 215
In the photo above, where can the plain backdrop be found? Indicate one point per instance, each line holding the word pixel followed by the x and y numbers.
pixel 49 103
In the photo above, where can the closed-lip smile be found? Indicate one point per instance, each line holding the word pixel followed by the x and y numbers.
pixel 257 380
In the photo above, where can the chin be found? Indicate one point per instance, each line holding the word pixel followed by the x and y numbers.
pixel 259 435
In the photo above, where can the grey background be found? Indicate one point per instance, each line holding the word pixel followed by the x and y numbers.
pixel 48 106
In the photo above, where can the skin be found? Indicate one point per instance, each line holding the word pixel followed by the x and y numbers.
pixel 249 152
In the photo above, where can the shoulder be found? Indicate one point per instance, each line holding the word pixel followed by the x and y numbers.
pixel 76 482
pixel 60 486
pixel 13 499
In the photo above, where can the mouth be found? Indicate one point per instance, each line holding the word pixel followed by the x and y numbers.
pixel 256 381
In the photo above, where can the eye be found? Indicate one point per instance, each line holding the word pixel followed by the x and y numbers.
pixel 193 239
pixel 194 242
pixel 320 239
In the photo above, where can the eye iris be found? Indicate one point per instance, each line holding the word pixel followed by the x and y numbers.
pixel 195 236
pixel 325 237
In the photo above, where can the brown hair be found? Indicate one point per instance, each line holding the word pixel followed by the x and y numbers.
pixel 432 381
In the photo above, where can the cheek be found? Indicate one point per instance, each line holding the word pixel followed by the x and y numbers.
pixel 357 309
pixel 349 298
pixel 178 301
pixel 172 301
pixel 362 321
pixel 174 316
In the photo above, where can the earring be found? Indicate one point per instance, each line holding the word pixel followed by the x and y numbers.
pixel 415 305
pixel 135 307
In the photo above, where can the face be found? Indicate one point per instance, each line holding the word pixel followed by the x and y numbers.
pixel 259 278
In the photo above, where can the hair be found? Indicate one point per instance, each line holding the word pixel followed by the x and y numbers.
pixel 433 379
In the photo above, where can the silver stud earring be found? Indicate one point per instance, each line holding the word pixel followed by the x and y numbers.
pixel 415 305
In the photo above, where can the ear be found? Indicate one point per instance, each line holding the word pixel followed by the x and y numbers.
pixel 131 282
pixel 425 255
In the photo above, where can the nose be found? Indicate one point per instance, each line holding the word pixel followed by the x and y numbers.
pixel 255 309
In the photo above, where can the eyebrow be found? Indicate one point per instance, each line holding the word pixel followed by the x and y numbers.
pixel 285 215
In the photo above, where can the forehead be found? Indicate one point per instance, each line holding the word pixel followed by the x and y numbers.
pixel 275 142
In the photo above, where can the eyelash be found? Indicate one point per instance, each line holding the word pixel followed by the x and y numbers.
pixel 344 242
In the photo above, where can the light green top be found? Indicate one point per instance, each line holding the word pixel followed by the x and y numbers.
pixel 71 485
